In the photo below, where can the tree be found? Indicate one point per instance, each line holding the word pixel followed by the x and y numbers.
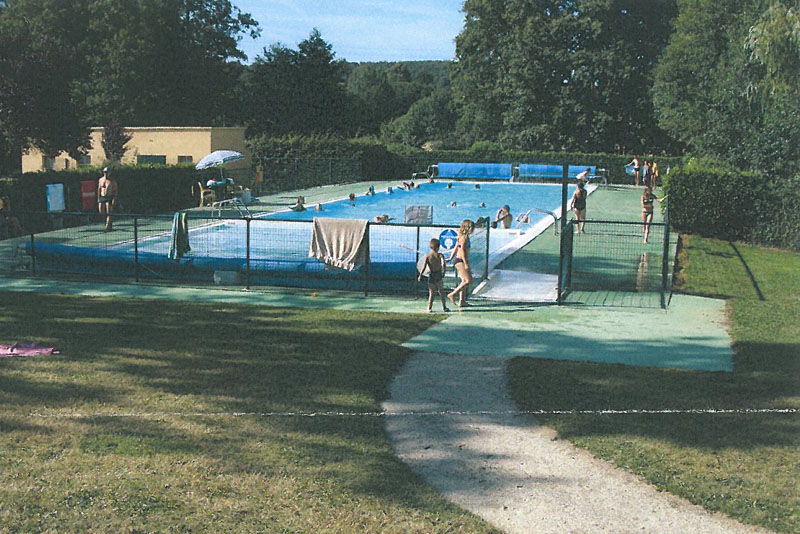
pixel 710 93
pixel 114 140
pixel 374 98
pixel 147 62
pixel 431 118
pixel 298 91
pixel 553 74
pixel 38 106
pixel 774 42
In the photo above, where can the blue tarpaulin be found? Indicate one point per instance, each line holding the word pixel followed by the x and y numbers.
pixel 541 170
pixel 486 171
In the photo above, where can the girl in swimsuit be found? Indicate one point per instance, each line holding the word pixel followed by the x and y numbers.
pixel 578 206
pixel 461 256
pixel 635 164
pixel 647 210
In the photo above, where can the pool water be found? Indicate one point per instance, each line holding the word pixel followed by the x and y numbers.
pixel 520 198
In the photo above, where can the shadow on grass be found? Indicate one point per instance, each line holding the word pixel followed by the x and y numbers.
pixel 589 386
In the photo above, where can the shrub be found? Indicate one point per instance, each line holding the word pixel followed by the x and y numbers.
pixel 143 188
pixel 715 200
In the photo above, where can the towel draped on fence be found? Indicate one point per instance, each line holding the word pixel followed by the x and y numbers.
pixel 341 243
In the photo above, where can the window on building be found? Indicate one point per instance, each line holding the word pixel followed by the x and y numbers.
pixel 66 163
pixel 185 159
pixel 151 160
pixel 84 161
pixel 48 163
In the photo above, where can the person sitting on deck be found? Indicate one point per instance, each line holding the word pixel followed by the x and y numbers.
pixel 299 205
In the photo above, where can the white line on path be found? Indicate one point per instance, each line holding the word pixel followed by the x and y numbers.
pixel 421 413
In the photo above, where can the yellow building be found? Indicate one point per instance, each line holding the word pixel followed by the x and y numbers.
pixel 165 145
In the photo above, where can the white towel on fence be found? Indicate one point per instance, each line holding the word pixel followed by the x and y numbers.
pixel 341 243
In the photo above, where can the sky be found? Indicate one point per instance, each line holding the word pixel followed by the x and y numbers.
pixel 359 30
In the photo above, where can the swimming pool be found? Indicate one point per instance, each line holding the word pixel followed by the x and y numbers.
pixel 468 197
pixel 273 248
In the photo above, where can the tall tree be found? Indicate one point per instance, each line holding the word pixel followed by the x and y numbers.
pixel 38 106
pixel 374 98
pixel 147 62
pixel 298 91
pixel 431 118
pixel 713 91
pixel 552 74
pixel 774 42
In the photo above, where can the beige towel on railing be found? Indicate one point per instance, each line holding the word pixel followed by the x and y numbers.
pixel 341 243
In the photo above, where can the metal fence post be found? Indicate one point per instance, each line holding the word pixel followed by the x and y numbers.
pixel 247 262
pixel 33 254
pixel 486 261
pixel 665 258
pixel 560 283
pixel 366 265
pixel 416 262
pixel 564 182
pixel 136 247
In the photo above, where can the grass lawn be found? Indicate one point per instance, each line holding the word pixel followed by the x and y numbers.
pixel 177 473
pixel 745 465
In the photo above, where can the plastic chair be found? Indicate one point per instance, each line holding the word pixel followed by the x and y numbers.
pixel 206 193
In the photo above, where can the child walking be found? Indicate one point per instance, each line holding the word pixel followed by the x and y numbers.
pixel 435 264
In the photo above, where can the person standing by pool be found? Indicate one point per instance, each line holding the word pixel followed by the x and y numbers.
pixel 461 256
pixel 646 173
pixel 655 174
pixel 584 176
pixel 435 265
pixel 647 210
pixel 107 193
pixel 503 217
pixel 635 164
pixel 578 206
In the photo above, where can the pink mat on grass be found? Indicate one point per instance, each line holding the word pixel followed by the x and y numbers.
pixel 22 349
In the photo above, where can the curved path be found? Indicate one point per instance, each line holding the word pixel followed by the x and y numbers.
pixel 513 472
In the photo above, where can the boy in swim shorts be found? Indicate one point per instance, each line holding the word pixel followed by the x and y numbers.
pixel 435 264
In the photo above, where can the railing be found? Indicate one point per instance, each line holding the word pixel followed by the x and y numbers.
pixel 236 251
pixel 613 255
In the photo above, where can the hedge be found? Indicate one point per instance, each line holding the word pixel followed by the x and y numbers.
pixel 715 200
pixel 294 162
pixel 143 188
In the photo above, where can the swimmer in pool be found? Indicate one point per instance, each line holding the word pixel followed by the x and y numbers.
pixel 503 217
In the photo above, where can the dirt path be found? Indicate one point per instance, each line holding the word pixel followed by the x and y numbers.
pixel 513 472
